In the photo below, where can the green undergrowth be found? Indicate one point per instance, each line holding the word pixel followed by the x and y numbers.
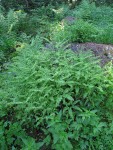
pixel 18 27
pixel 53 98
pixel 80 31
pixel 92 24
pixel 56 100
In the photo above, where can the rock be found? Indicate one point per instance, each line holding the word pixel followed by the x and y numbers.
pixel 49 46
pixel 103 51
pixel 69 20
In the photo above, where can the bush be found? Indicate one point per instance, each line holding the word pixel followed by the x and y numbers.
pixel 92 24
pixel 55 99
pixel 84 10
pixel 59 98
pixel 80 31
pixel 105 35
pixel 101 15
pixel 16 27
pixel 8 30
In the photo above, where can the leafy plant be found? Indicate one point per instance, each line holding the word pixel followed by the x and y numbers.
pixel 59 95
pixel 105 35
pixel 80 31
pixel 53 98
pixel 13 137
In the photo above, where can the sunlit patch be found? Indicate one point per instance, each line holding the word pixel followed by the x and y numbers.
pixel 19 46
pixel 57 11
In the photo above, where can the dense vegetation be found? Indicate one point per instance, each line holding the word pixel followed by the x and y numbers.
pixel 51 97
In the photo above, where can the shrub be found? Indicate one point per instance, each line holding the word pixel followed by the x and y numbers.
pixel 16 27
pixel 84 10
pixel 100 16
pixel 13 136
pixel 59 98
pixel 8 30
pixel 80 31
pixel 92 24
pixel 105 35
